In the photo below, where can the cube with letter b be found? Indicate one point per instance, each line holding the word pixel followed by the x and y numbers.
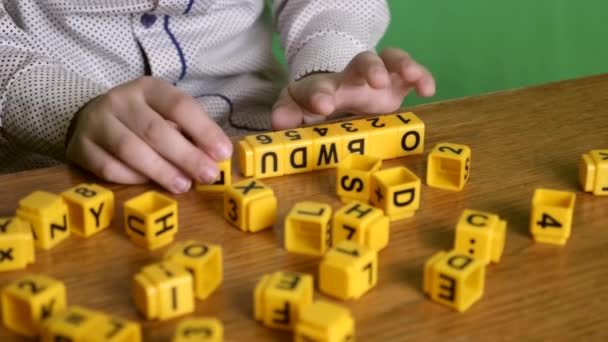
pixel 48 216
pixel 454 279
pixel 91 208
pixel 279 298
pixel 261 155
pixel 396 191
pixel 16 244
pixel 449 166
pixel 354 176
pixel 355 137
pixel 203 329
pixel 151 220
pixel 551 219
pixel 250 205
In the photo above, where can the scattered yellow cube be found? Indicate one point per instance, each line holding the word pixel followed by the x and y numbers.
pixel 151 220
pixel 91 208
pixel 409 135
pixel 48 217
pixel 593 172
pixel 264 152
pixel 481 235
pixel 298 152
pixel 279 297
pixel 203 260
pixel 355 137
pixel 163 290
pixel 396 191
pixel 454 279
pixel 223 180
pixel 348 270
pixel 113 329
pixel 361 223
pixel 74 324
pixel 324 321
pixel 202 329
pixel 29 300
pixel 353 177
pixel 16 244
pixel 307 228
pixel 326 146
pixel 449 166
pixel 551 219
pixel 250 205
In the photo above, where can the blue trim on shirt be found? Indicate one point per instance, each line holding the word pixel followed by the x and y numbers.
pixel 223 97
pixel 189 7
pixel 180 53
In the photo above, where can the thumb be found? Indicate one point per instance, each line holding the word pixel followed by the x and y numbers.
pixel 286 113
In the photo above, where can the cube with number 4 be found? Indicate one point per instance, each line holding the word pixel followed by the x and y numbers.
pixel 551 219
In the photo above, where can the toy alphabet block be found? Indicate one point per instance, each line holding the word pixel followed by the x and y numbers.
pixel 361 223
pixel 16 244
pixel 91 208
pixel 355 137
pixel 454 279
pixel 325 321
pixel 326 146
pixel 74 324
pixel 593 172
pixel 113 329
pixel 298 151
pixel 307 228
pixel 396 191
pixel 250 205
pixel 481 235
pixel 449 166
pixel 551 219
pixel 224 179
pixel 261 155
pixel 203 329
pixel 353 177
pixel 48 216
pixel 151 220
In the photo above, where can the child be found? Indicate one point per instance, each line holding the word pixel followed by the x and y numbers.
pixel 137 90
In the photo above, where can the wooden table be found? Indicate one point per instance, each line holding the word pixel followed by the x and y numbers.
pixel 521 140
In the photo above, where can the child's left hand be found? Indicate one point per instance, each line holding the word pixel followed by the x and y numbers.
pixel 370 84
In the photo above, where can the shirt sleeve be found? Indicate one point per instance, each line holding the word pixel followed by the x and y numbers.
pixel 38 97
pixel 324 36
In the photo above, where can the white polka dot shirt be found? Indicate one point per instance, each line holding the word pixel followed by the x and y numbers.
pixel 55 56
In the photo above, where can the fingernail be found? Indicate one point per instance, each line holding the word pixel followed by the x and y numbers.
pixel 209 174
pixel 182 184
pixel 223 151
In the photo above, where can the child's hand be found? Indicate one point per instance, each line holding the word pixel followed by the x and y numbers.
pixel 148 129
pixel 370 84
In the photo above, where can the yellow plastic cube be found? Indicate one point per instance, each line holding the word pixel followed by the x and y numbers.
pixel 74 324
pixel 279 297
pixel 381 137
pixel 354 177
pixel 298 151
pixel 204 329
pixel 224 179
pixel 91 208
pixel 16 244
pixel 449 166
pixel 361 223
pixel 250 205
pixel 29 300
pixel 113 329
pixel 261 155
pixel 593 172
pixel 163 291
pixel 151 220
pixel 326 146
pixel 481 235
pixel 48 217
pixel 325 321
pixel 396 191
pixel 395 135
pixel 307 228
pixel 203 260
pixel 355 137
pixel 348 270
pixel 454 279
pixel 551 219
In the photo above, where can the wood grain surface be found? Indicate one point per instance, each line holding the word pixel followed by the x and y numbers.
pixel 520 140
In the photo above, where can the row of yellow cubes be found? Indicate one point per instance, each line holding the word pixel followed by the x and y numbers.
pixel 319 147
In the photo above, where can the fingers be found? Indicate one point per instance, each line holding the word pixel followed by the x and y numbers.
pixel 369 67
pixel 413 74
pixel 316 93
pixel 286 113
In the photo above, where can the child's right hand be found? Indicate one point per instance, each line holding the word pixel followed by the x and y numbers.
pixel 148 129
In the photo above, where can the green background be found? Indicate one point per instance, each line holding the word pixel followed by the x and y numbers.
pixel 480 46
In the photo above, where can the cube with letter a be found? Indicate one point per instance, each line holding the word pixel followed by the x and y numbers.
pixel 151 220
pixel 48 217
pixel 279 298
pixel 91 208
pixel 593 172
pixel 250 205
pixel 454 279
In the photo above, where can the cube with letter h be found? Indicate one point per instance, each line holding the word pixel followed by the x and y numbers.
pixel 151 220
pixel 551 219
pixel 48 216
pixel 593 172
pixel 454 279
pixel 163 290
pixel 396 191
pixel 348 270
pixel 325 321
pixel 481 235
pixel 203 329
pixel 279 297
pixel 29 300
pixel 91 208
pixel 353 177
pixel 16 244
pixel 307 228
pixel 449 166
pixel 224 179
pixel 203 260
pixel 250 205
pixel 361 223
